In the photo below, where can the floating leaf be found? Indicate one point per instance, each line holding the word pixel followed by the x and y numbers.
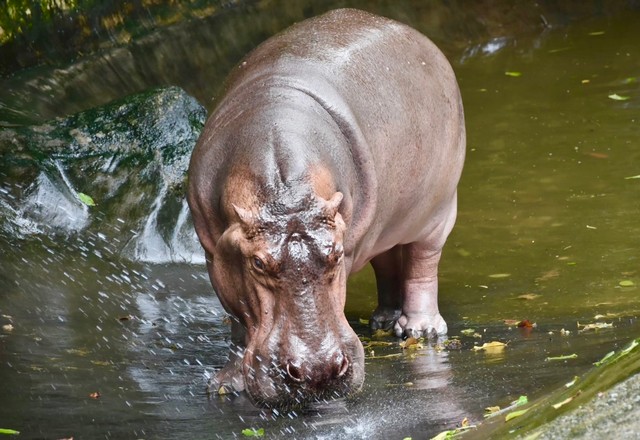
pixel 511 322
pixel 617 97
pixel 363 321
pixel 573 382
pixel 607 357
pixel 86 199
pixel 251 432
pixel 564 402
pixel 526 324
pixel 467 331
pixel 9 431
pixel 491 347
pixel 513 415
pixel 7 328
pixel 95 395
pixel 499 275
pixel 626 283
pixel 528 296
pixel 491 409
pixel 513 74
pixel 562 358
pixel 596 33
pixel 633 177
pixel 411 343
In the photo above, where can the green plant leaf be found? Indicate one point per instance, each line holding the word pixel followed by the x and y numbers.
pixel 252 432
pixel 513 74
pixel 9 431
pixel 86 199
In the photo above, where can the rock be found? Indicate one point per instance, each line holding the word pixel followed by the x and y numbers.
pixel 130 157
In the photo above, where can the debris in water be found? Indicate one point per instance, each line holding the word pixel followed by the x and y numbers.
pixel 594 326
pixel 562 358
pixel 95 395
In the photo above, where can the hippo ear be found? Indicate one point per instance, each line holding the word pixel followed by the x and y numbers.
pixel 330 207
pixel 246 216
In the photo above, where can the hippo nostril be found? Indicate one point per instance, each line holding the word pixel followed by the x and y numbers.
pixel 344 366
pixel 295 373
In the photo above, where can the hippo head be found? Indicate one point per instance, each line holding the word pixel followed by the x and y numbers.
pixel 281 271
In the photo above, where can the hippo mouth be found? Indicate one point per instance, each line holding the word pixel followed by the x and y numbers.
pixel 294 384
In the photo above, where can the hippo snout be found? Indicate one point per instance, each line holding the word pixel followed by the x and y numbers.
pixel 301 374
pixel 315 375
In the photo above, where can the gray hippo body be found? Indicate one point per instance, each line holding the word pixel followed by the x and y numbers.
pixel 337 142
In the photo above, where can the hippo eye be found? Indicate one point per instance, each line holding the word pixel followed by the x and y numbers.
pixel 258 263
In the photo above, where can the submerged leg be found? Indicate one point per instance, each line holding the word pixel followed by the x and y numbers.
pixel 388 270
pixel 230 379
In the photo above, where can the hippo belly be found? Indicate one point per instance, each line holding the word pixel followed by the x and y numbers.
pixel 336 143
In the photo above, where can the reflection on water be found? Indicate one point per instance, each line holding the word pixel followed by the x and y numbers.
pixel 545 210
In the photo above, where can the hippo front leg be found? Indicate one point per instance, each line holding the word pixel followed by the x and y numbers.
pixel 230 379
pixel 420 315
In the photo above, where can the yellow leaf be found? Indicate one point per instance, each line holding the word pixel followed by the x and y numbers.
pixel 491 347
pixel 513 415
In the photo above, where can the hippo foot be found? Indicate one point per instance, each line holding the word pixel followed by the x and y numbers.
pixel 384 318
pixel 228 380
pixel 428 326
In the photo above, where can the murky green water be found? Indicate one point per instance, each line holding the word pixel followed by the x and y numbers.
pixel 545 209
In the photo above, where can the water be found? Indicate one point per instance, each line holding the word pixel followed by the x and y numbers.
pixel 545 209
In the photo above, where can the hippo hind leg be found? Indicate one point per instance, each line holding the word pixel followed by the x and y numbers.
pixel 388 269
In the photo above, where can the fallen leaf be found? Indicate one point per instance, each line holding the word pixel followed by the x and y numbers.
pixel 411 343
pixel 513 74
pixel 499 275
pixel 251 432
pixel 95 395
pixel 363 321
pixel 596 33
pixel 491 409
pixel 467 331
pixel 7 328
pixel 511 322
pixel 626 283
pixel 572 383
pixel 528 296
pixel 564 402
pixel 607 357
pixel 617 97
pixel 491 347
pixel 526 324
pixel 86 199
pixel 597 155
pixel 633 177
pixel 513 415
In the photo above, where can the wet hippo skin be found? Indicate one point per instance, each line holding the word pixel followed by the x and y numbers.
pixel 337 142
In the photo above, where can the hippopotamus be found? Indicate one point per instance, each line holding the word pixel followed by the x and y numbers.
pixel 338 142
